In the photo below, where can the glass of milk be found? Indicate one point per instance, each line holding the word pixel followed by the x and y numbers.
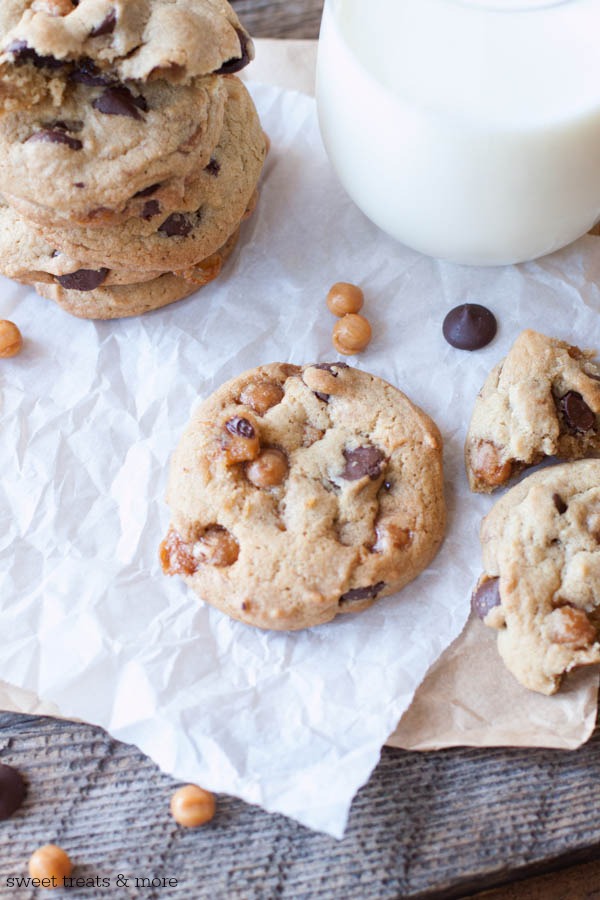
pixel 467 129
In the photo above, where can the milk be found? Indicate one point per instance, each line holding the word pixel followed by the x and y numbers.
pixel 467 130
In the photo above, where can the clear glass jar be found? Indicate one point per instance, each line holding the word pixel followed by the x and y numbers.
pixel 467 129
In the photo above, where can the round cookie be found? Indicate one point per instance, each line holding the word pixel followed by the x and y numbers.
pixel 299 493
pixel 109 149
pixel 541 586
pixel 44 43
pixel 122 300
pixel 213 207
pixel 543 399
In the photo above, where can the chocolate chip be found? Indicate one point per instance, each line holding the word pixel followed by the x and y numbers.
pixel 86 72
pixel 578 415
pixel 150 209
pixel 177 225
pixel 213 168
pixel 387 485
pixel 55 136
pixel 363 461
pixel 237 63
pixel 117 100
pixel 23 53
pixel 322 396
pixel 559 503
pixel 240 427
pixel 147 192
pixel 12 791
pixel 83 279
pixel 105 27
pixel 469 326
pixel 486 597
pixel 79 184
pixel 329 367
pixel 363 593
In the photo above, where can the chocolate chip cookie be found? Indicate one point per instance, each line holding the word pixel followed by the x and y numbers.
pixel 542 400
pixel 299 493
pixel 109 151
pixel 46 44
pixel 541 587
pixel 104 294
pixel 212 207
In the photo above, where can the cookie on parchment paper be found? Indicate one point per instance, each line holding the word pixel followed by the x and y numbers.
pixel 299 493
pixel 542 400
pixel 541 581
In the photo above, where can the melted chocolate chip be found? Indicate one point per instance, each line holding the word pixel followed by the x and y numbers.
pixel 105 27
pixel 237 63
pixel 559 503
pixel 83 279
pixel 469 326
pixel 12 791
pixel 23 53
pixel 363 461
pixel 117 100
pixel 387 485
pixel 578 415
pixel 86 72
pixel 177 225
pixel 329 367
pixel 55 135
pixel 150 209
pixel 486 597
pixel 364 593
pixel 322 396
pixel 213 168
pixel 147 192
pixel 240 427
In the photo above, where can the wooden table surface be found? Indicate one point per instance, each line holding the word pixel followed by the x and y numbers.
pixel 435 825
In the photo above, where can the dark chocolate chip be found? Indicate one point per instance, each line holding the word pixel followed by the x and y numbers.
pixel 213 168
pixel 55 253
pixel 86 72
pixel 240 427
pixel 322 396
pixel 83 279
pixel 237 63
pixel 177 225
pixel 150 209
pixel 55 136
pixel 469 326
pixel 486 597
pixel 329 367
pixel 147 192
pixel 559 503
pixel 578 415
pixel 117 100
pixel 79 184
pixel 387 485
pixel 363 461
pixel 12 791
pixel 105 27
pixel 23 53
pixel 363 593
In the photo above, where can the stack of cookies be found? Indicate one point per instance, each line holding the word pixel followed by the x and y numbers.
pixel 129 151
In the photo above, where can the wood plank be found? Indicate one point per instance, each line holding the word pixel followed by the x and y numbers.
pixel 280 18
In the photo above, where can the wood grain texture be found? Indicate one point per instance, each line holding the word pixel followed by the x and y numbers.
pixel 436 825
pixel 280 18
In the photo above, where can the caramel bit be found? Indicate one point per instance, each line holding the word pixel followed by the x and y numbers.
pixel 240 441
pixel 488 466
pixel 217 547
pixel 269 469
pixel 392 535
pixel 176 556
pixel 569 625
pixel 53 7
pixel 260 396
pixel 321 380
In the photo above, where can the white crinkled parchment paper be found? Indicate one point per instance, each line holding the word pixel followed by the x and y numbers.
pixel 90 413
